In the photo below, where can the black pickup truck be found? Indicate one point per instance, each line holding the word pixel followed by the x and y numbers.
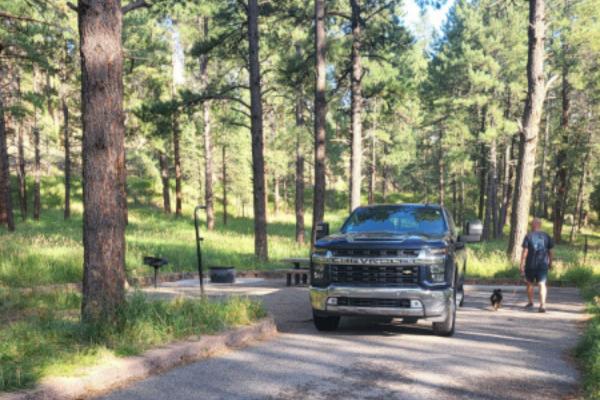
pixel 391 261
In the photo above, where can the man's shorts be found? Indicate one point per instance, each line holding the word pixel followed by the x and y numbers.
pixel 536 275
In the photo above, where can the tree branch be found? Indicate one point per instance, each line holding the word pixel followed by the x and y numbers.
pixel 339 14
pixel 135 5
pixel 72 6
pixel 380 9
pixel 21 18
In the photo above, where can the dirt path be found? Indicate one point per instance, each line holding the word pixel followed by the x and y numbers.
pixel 509 354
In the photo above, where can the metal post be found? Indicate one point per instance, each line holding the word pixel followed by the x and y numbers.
pixel 198 250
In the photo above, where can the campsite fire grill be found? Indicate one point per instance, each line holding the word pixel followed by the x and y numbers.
pixel 156 263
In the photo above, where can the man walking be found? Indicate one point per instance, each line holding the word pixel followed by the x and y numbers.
pixel 536 260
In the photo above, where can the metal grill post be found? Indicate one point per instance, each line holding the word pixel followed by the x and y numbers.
pixel 198 249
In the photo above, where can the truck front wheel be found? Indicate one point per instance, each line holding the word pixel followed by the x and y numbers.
pixel 329 323
pixel 446 327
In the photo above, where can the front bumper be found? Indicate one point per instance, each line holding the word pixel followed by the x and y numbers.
pixel 433 304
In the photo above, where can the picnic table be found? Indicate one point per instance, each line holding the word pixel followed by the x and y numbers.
pixel 298 272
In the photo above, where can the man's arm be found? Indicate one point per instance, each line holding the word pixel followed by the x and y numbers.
pixel 550 257
pixel 523 258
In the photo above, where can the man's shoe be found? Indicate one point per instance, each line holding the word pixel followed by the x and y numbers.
pixel 529 306
pixel 542 309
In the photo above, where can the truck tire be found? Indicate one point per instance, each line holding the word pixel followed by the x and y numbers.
pixel 446 327
pixel 326 323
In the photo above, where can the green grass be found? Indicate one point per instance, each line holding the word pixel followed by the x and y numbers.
pixel 50 250
pixel 488 259
pixel 47 339
pixel 588 349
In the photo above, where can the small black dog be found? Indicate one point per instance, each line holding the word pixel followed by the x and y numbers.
pixel 496 299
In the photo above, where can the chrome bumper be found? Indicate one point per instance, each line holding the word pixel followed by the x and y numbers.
pixel 434 304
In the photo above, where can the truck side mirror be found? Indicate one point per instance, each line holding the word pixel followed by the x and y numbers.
pixel 322 230
pixel 473 231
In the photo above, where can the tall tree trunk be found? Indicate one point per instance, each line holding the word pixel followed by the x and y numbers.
pixel 164 177
pixel 491 209
pixel 67 146
pixel 558 213
pixel 320 116
pixel 177 162
pixel 21 170
pixel 384 174
pixel 299 198
pixel 536 92
pixel 579 201
pixel 22 174
pixel 37 171
pixel 37 203
pixel 461 197
pixel 258 160
pixel 208 164
pixel 276 195
pixel 372 169
pixel 224 167
pixel 482 170
pixel 100 24
pixel 441 170
pixel 506 186
pixel 542 209
pixel 357 100
pixel 6 210
pixel 454 199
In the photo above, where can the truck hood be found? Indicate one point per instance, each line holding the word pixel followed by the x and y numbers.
pixel 380 241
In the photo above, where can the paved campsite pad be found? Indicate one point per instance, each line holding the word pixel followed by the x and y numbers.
pixel 509 354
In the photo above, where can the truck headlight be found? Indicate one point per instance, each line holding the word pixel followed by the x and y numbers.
pixel 437 273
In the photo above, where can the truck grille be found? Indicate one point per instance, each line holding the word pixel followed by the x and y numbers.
pixel 374 274
pixel 376 253
pixel 383 303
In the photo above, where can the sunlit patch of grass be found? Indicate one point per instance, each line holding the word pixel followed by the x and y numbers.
pixel 50 340
pixel 588 349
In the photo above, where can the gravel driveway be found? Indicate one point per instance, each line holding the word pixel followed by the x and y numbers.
pixel 509 354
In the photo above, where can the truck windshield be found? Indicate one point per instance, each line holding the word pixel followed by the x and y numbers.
pixel 398 220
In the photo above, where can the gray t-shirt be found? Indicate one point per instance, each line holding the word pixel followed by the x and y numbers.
pixel 538 245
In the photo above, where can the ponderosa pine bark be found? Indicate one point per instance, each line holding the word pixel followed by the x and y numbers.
pixel 299 178
pixel 6 211
pixel 441 169
pixel 356 106
pixel 177 162
pixel 103 154
pixel 206 119
pixel 536 93
pixel 562 176
pixel 21 173
pixel 372 171
pixel 67 146
pixel 320 116
pixel 506 185
pixel 164 177
pixel 490 225
pixel 482 170
pixel 542 209
pixel 579 200
pixel 37 165
pixel 256 113
pixel 21 170
pixel 37 172
pixel 224 184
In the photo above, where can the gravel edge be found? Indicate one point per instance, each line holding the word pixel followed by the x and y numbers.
pixel 119 372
